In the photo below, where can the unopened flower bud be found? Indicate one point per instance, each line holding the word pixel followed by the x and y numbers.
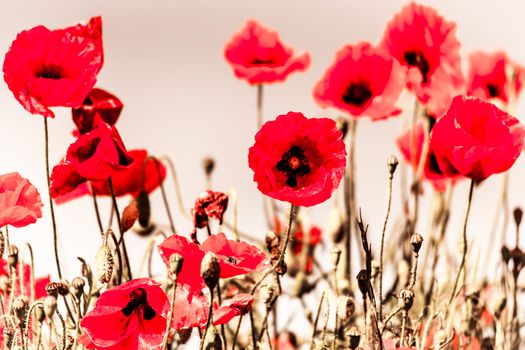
pixel 176 262
pixel 50 305
pixel 416 241
pixel 12 255
pixel 209 165
pixel 518 215
pixel 213 340
pixel 77 286
pixel 405 299
pixel 354 338
pixel 505 254
pixel 335 255
pixel 392 163
pixel 210 270
pixel 144 208
pixel 104 264
pixel 363 281
pixel 129 216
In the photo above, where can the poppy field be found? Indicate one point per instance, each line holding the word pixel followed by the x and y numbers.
pixel 173 272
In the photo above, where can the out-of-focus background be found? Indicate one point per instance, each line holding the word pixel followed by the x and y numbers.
pixel 164 60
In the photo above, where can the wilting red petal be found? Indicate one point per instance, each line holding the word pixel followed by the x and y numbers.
pixel 210 204
pixel 119 317
pixel 20 203
pixel 363 81
pixel 298 160
pixel 98 106
pixel 191 310
pixel 239 305
pixel 476 139
pixel 258 56
pixel 235 258
pixel 45 68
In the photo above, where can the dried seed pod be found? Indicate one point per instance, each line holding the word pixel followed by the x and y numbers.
pixel 416 241
pixel 104 264
pixel 50 305
pixel 85 270
pixel 144 209
pixel 518 215
pixel 176 262
pixel 363 281
pixel 52 289
pixel 405 299
pixel 12 255
pixel 392 163
pixel 209 165
pixel 210 270
pixel 354 338
pixel 77 286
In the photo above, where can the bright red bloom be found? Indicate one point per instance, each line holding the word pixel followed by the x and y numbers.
pixel 38 290
pixel 129 316
pixel 99 105
pixel 494 76
pixel 45 68
pixel 476 139
pixel 421 39
pixel 20 203
pixel 411 143
pixel 239 305
pixel 133 179
pixel 363 81
pixel 258 56
pixel 235 258
pixel 298 160
pixel 210 204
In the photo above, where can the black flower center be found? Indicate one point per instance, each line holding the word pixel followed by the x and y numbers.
pixel 138 301
pixel 51 71
pixel 294 164
pixel 417 59
pixel 261 62
pixel 493 90
pixel 357 94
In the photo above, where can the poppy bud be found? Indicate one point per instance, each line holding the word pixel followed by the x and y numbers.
pixel 405 299
pixel 104 264
pixel 50 305
pixel 416 241
pixel 518 215
pixel 209 165
pixel 19 308
pixel 213 340
pixel 336 255
pixel 77 286
pixel 210 270
pixel 2 243
pixel 144 208
pixel 505 254
pixel 129 216
pixel 176 262
pixel 12 255
pixel 8 337
pixel 392 163
pixel 363 280
pixel 354 338
pixel 342 125
pixel 85 270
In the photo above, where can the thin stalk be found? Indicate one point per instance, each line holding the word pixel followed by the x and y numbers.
pixel 97 212
pixel 170 315
pixel 236 332
pixel 208 322
pixel 162 190
pixel 312 345
pixel 121 239
pixel 389 205
pixel 259 106
pixel 51 205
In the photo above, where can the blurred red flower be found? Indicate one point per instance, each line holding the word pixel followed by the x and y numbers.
pixel 134 178
pixel 421 39
pixel 210 204
pixel 45 68
pixel 298 160
pixel 20 203
pixel 298 244
pixel 239 305
pixel 99 105
pixel 235 258
pixel 363 81
pixel 129 316
pixel 476 139
pixel 191 310
pixel 494 76
pixel 258 56
pixel 411 143
pixel 36 290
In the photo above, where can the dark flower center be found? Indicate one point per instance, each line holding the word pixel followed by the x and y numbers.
pixel 138 301
pixel 493 90
pixel 261 62
pixel 51 71
pixel 294 164
pixel 416 58
pixel 85 152
pixel 357 94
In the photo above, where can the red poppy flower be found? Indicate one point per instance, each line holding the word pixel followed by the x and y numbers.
pixel 235 258
pixel 298 245
pixel 129 316
pixel 191 310
pixel 494 76
pixel 421 39
pixel 362 81
pixel 99 105
pixel 239 305
pixel 133 179
pixel 411 143
pixel 37 290
pixel 298 160
pixel 258 56
pixel 210 204
pixel 476 139
pixel 45 68
pixel 20 203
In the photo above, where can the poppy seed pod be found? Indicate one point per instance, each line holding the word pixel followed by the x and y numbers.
pixel 210 270
pixel 19 307
pixel 518 215
pixel 405 299
pixel 77 286
pixel 354 338
pixel 176 262
pixel 392 165
pixel 12 255
pixel 104 264
pixel 416 241
pixel 209 165
pixel 144 208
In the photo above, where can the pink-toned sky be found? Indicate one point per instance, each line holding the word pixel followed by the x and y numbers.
pixel 164 59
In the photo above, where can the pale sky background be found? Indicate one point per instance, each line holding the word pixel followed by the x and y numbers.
pixel 164 59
